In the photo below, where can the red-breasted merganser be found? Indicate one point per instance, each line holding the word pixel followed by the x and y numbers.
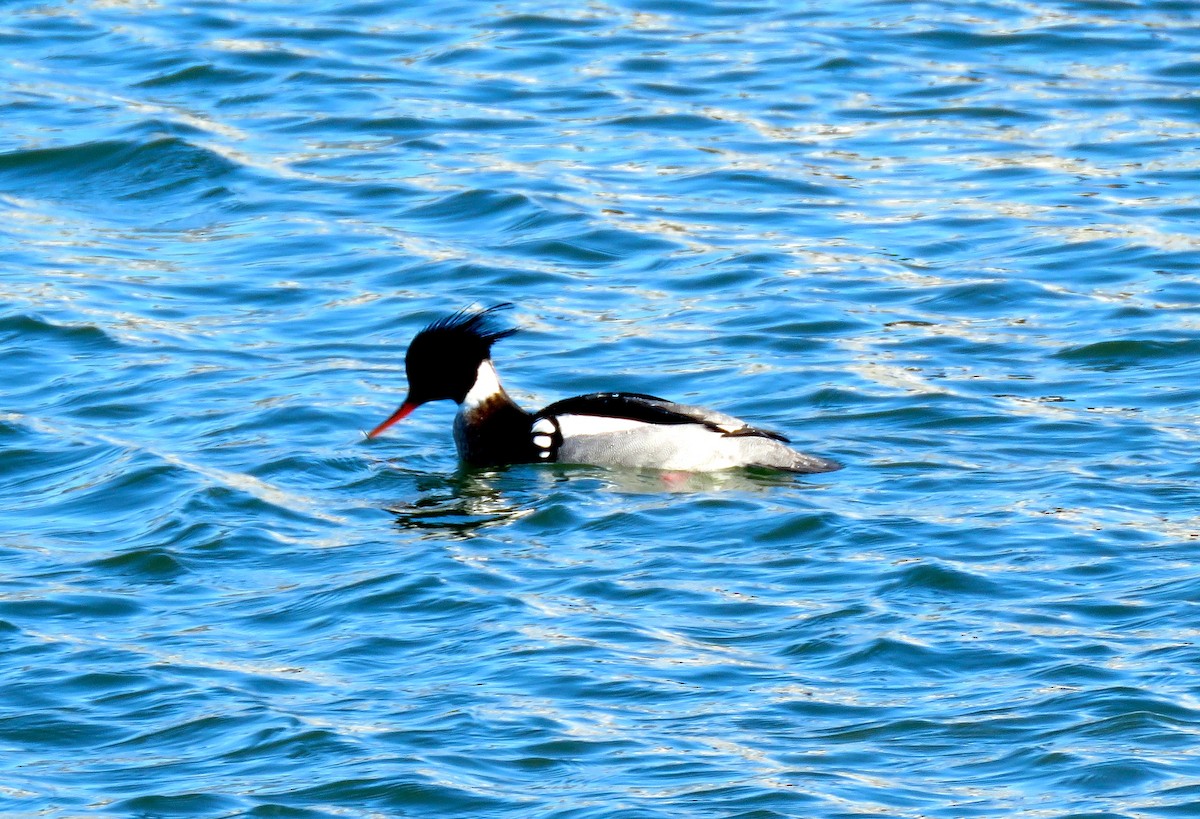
pixel 451 360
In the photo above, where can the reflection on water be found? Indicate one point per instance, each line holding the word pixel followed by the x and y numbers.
pixel 469 500
pixel 457 505
pixel 652 481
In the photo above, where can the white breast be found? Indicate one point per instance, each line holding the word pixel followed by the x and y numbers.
pixel 486 386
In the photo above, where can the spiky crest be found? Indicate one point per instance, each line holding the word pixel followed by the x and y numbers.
pixel 469 329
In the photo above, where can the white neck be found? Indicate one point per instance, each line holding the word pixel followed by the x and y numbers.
pixel 487 386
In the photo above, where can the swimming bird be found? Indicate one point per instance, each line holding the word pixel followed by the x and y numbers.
pixel 451 359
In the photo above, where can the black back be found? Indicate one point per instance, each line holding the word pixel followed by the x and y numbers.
pixel 651 409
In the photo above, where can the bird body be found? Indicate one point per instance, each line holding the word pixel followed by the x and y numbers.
pixel 451 359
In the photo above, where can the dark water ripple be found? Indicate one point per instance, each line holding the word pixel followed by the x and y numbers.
pixel 952 246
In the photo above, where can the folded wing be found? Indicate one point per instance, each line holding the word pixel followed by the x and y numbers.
pixel 638 430
pixel 650 409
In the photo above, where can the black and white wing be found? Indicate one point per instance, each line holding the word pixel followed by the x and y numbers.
pixel 644 431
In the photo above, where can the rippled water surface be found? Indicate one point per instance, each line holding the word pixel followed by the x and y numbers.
pixel 952 245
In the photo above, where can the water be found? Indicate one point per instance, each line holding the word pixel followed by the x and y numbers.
pixel 951 245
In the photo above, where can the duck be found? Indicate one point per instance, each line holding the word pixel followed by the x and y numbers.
pixel 451 360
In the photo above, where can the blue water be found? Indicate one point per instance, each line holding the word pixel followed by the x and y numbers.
pixel 952 245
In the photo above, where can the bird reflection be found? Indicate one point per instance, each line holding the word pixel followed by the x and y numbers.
pixel 458 504
pixel 465 502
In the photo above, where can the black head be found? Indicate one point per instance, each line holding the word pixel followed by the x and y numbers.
pixel 443 359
